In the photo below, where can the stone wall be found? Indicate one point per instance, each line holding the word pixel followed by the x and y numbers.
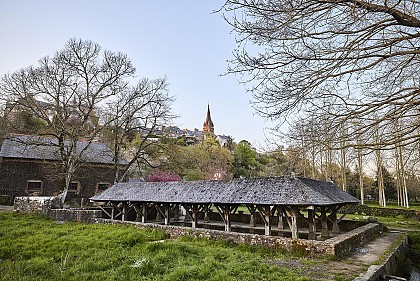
pixel 346 242
pixel 335 246
pixel 50 207
pixel 77 215
pixel 36 204
pixel 387 267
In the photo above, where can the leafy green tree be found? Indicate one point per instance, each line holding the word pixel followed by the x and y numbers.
pixel 202 161
pixel 273 163
pixel 246 163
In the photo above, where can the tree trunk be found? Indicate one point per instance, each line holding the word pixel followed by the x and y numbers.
pixel 360 164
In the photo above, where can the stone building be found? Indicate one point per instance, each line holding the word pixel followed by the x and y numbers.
pixel 31 166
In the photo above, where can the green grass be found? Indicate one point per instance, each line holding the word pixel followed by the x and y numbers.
pixel 392 222
pixel 394 205
pixel 36 248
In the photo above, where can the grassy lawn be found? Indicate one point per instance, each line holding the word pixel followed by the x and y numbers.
pixel 394 205
pixel 35 248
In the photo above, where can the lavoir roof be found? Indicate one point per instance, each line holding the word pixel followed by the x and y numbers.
pixel 260 191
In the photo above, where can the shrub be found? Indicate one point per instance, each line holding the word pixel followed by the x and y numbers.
pixel 161 176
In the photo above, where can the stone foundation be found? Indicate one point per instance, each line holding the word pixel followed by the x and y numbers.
pixel 336 246
pixel 50 207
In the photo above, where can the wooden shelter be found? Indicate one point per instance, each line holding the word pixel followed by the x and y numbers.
pixel 288 198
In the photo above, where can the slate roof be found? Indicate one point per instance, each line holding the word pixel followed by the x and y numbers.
pixel 43 148
pixel 272 191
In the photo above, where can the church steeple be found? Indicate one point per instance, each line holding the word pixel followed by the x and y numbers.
pixel 208 126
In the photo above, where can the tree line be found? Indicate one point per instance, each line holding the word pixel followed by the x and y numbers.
pixel 343 74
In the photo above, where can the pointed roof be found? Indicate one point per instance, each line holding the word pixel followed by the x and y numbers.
pixel 208 125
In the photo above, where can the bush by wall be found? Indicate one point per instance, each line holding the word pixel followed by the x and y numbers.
pixel 380 212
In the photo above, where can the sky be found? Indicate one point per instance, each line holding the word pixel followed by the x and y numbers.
pixel 183 40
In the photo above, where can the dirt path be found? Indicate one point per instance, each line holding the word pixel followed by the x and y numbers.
pixel 347 268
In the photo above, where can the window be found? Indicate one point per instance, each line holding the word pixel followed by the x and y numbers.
pixel 102 186
pixel 74 187
pixel 34 187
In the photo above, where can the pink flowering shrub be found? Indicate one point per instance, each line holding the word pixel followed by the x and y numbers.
pixel 161 176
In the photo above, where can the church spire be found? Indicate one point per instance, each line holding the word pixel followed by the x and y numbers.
pixel 208 126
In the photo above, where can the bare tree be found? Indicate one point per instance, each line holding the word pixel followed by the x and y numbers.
pixel 63 92
pixel 133 119
pixel 339 58
pixel 379 172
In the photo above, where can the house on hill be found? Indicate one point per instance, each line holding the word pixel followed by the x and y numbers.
pixel 31 166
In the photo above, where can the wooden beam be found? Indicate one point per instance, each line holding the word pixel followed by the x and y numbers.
pixel 176 211
pixel 194 222
pixel 265 213
pixel 114 205
pixel 335 228
pixel 137 210
pixel 285 211
pixel 251 209
pixel 312 225
pixel 325 233
pixel 144 212
pixel 294 212
pixel 167 213
pixel 224 212
pixel 187 209
pixel 124 211
pixel 206 213
pixel 103 210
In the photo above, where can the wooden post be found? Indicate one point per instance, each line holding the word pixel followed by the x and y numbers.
pixel 226 210
pixel 124 211
pixel 194 223
pixel 167 213
pixel 158 214
pixel 294 227
pixel 280 223
pixel 144 212
pixel 265 213
pixel 335 228
pixel 113 212
pixel 311 223
pixel 206 213
pixel 138 211
pixel 325 233
pixel 251 210
pixel 176 212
